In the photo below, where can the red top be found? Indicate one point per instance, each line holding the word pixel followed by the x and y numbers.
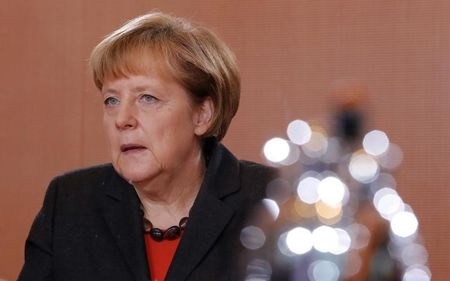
pixel 159 256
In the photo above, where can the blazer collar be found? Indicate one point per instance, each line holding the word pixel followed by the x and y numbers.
pixel 209 214
pixel 121 211
pixel 207 219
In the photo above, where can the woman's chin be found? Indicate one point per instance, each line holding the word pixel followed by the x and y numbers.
pixel 135 176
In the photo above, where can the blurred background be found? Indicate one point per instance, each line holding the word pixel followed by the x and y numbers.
pixel 292 54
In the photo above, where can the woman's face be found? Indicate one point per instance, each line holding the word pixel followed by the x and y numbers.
pixel 152 125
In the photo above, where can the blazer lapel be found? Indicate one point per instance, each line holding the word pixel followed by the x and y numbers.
pixel 209 214
pixel 120 206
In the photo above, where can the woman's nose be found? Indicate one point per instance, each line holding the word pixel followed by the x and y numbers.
pixel 126 117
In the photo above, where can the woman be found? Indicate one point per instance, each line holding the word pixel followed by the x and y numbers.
pixel 172 203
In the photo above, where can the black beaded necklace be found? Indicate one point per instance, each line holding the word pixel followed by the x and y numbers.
pixel 171 233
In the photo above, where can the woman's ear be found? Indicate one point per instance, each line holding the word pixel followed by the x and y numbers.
pixel 203 117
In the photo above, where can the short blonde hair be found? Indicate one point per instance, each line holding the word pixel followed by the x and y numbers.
pixel 194 56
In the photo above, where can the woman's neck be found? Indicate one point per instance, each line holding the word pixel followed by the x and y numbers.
pixel 168 198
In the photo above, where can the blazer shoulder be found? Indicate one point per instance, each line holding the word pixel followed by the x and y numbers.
pixel 87 173
pixel 82 181
pixel 255 177
pixel 253 169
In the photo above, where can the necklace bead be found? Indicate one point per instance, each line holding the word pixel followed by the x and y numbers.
pixel 171 233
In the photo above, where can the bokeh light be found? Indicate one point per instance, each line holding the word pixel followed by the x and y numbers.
pixel 392 158
pixel 327 213
pixel 404 224
pixel 252 237
pixel 307 189
pixel 317 145
pixel 376 142
pixel 283 247
pixel 344 242
pixel 417 273
pixel 383 180
pixel 325 239
pixel 299 132
pixel 279 190
pixel 381 193
pixel 272 207
pixel 332 191
pixel 259 270
pixel 363 167
pixel 276 150
pixel 323 270
pixel 299 240
pixel 414 254
pixel 304 210
pixel 389 205
pixel 293 155
pixel 333 153
pixel 388 202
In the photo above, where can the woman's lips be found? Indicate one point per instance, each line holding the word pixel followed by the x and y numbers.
pixel 131 148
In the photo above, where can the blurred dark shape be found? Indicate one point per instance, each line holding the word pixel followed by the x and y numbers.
pixel 372 251
pixel 347 102
pixel 349 124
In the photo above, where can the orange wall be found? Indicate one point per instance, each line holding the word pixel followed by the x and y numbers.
pixel 290 53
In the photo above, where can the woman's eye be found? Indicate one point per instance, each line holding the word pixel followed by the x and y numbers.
pixel 111 101
pixel 148 98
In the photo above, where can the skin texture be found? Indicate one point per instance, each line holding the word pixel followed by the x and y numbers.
pixel 154 131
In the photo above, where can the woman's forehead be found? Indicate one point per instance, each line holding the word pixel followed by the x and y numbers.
pixel 139 63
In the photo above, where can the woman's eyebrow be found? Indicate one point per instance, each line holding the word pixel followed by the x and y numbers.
pixel 109 91
pixel 141 88
pixel 148 88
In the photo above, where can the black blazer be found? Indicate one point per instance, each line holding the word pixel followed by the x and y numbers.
pixel 90 226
